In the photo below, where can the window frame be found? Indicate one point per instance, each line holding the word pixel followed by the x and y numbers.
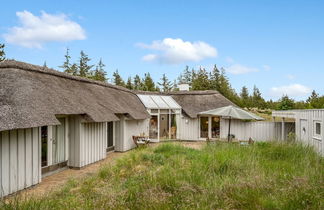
pixel 315 134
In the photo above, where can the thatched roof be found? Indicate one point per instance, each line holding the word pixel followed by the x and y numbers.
pixel 193 102
pixel 31 96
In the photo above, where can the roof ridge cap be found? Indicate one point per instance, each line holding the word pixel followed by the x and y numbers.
pixel 50 71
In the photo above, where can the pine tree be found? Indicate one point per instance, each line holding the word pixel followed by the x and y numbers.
pixel 245 98
pixel 129 83
pixel 148 83
pixel 67 65
pixel 315 101
pixel 214 78
pixel 100 73
pixel 44 65
pixel 118 80
pixel 175 86
pixel 201 80
pixel 137 83
pixel 2 52
pixel 226 89
pixel 84 67
pixel 74 70
pixel 257 99
pixel 165 84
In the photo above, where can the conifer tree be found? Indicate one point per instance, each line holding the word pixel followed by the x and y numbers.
pixel 245 98
pixel 201 80
pixel 129 83
pixel 99 73
pixel 84 67
pixel 214 78
pixel 118 80
pixel 148 82
pixel 137 83
pixel 257 99
pixel 2 52
pixel 44 65
pixel 67 65
pixel 165 84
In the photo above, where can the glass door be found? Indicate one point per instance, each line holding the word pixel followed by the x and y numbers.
pixel 110 135
pixel 44 142
pixel 153 129
pixel 215 127
pixel 203 127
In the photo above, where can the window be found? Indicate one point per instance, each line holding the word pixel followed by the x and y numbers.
pixel 317 129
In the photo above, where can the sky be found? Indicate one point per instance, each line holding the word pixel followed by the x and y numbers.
pixel 276 45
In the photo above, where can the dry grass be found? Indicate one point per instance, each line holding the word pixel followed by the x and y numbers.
pixel 218 176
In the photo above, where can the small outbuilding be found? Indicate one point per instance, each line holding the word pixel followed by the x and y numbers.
pixel 307 126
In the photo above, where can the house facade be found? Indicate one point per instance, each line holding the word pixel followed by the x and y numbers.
pixel 51 120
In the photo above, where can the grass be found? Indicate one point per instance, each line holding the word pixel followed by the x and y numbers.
pixel 220 176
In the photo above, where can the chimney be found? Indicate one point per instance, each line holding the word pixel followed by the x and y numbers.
pixel 183 87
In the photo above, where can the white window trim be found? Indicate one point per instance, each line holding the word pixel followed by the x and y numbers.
pixel 317 136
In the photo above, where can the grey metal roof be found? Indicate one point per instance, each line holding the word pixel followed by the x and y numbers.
pixel 158 102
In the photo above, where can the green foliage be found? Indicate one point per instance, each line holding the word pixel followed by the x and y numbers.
pixel 117 79
pixel 165 84
pixel 129 84
pixel 148 83
pixel 200 80
pixel 84 67
pixel 138 85
pixel 219 176
pixel 99 73
pixel 315 101
pixel 2 52
pixel 285 103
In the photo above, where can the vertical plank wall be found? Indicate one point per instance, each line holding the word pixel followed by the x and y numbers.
pixel 311 116
pixel 93 142
pixel 87 142
pixel 134 128
pixel 258 131
pixel 188 128
pixel 20 159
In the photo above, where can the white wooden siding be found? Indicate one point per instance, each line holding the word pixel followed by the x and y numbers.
pixel 20 159
pixel 87 142
pixel 311 116
pixel 126 129
pixel 258 131
pixel 188 128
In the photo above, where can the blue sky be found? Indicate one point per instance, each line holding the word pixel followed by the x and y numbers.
pixel 276 45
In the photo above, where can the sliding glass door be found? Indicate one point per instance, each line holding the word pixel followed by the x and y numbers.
pixel 203 127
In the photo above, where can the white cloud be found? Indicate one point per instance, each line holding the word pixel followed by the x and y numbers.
pixel 240 69
pixel 229 60
pixel 37 30
pixel 175 51
pixel 293 90
pixel 266 67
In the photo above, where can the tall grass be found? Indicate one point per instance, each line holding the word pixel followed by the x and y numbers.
pixel 220 176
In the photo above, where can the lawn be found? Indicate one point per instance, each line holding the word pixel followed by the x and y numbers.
pixel 219 176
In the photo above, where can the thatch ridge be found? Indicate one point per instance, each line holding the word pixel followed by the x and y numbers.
pixel 32 96
pixel 45 70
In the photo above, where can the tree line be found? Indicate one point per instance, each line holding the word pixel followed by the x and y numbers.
pixel 198 79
